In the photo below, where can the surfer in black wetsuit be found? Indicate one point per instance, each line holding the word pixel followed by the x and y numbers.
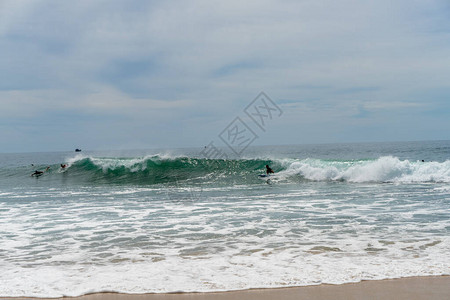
pixel 37 173
pixel 269 170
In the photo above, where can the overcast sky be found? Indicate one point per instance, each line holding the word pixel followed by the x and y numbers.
pixel 150 74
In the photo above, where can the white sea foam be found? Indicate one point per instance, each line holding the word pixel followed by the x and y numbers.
pixel 228 241
pixel 229 270
pixel 384 169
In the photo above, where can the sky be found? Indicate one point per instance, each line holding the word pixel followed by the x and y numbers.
pixel 136 74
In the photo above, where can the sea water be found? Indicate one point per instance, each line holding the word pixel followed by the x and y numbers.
pixel 166 221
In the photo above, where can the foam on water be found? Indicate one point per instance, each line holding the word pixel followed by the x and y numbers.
pixel 384 169
pixel 131 240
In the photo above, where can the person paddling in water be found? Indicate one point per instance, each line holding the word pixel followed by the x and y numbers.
pixel 38 173
pixel 269 170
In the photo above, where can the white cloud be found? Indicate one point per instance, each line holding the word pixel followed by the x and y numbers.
pixel 211 58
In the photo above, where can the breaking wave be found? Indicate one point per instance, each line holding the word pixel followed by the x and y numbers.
pixel 159 169
pixel 383 169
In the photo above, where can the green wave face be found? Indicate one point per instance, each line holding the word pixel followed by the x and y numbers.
pixel 156 170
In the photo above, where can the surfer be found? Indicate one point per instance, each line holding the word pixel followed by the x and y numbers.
pixel 38 173
pixel 269 170
pixel 63 166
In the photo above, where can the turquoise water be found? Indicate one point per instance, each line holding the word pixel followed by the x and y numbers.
pixel 164 221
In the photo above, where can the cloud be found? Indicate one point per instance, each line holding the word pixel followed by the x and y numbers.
pixel 204 61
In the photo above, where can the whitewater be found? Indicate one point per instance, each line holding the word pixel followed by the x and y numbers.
pixel 172 220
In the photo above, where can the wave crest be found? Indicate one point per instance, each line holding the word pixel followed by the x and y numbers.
pixel 160 169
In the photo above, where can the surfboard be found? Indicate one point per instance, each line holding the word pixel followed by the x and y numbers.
pixel 264 175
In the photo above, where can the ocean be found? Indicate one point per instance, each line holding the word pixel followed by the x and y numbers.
pixel 174 221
